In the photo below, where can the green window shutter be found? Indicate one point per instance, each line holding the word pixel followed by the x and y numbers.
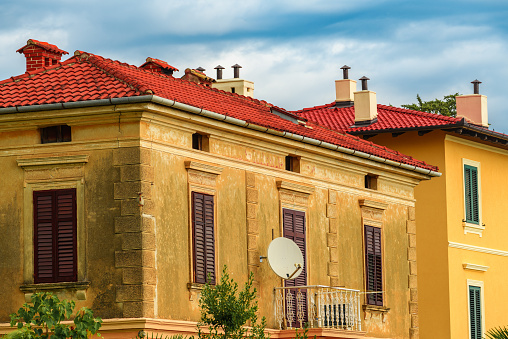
pixel 471 194
pixel 475 312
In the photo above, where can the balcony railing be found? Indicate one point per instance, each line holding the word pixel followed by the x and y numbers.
pixel 318 307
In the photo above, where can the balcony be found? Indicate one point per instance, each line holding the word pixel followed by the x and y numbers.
pixel 318 307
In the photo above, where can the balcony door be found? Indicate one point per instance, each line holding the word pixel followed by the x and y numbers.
pixel 294 228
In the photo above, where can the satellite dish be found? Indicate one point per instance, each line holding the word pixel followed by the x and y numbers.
pixel 285 258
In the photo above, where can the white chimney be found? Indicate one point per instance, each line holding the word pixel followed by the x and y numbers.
pixel 365 105
pixel 473 107
pixel 344 89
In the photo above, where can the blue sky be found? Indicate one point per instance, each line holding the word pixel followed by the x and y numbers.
pixel 291 49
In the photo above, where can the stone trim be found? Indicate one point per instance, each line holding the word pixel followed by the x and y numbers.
pixel 332 238
pixel 474 267
pixel 252 201
pixel 412 278
pixel 201 167
pixel 79 287
pixel 373 204
pixel 292 186
pixel 135 232
pixel 53 160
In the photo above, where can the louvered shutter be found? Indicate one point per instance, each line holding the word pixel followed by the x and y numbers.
pixel 55 253
pixel 203 237
pixel 374 265
pixel 475 312
pixel 471 194
pixel 294 229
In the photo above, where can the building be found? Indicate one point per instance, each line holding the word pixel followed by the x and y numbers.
pixel 462 254
pixel 125 187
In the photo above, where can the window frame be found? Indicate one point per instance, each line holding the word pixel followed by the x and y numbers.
pixel 193 244
pixel 55 234
pixel 478 284
pixel 471 226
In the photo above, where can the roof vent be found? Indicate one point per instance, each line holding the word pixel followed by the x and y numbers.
pixel 344 89
pixel 219 69
pixel 201 69
pixel 40 54
pixel 236 71
pixel 158 66
pixel 473 107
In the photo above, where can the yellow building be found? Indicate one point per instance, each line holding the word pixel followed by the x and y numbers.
pixel 123 187
pixel 462 248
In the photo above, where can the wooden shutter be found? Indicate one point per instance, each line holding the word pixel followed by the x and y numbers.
pixel 471 194
pixel 373 265
pixel 203 237
pixel 475 312
pixel 294 228
pixel 55 252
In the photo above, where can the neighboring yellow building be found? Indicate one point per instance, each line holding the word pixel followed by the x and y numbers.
pixel 461 227
pixel 123 187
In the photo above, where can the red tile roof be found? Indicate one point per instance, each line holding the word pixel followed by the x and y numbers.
pixel 388 118
pixel 90 77
pixel 159 63
pixel 45 45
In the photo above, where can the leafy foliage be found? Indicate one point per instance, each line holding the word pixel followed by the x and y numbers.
pixel 497 333
pixel 226 311
pixel 142 335
pixel 447 106
pixel 42 319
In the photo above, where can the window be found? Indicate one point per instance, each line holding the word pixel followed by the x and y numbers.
pixel 203 238
pixel 200 142
pixel 475 312
pixel 292 164
pixel 471 194
pixel 55 250
pixel 371 181
pixel 53 134
pixel 293 224
pixel 373 265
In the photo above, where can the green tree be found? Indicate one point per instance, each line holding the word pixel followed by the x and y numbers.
pixel 497 333
pixel 447 106
pixel 41 319
pixel 225 311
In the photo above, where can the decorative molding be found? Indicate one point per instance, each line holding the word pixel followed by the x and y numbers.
pixel 53 160
pixel 79 287
pixel 477 249
pixel 207 168
pixel 292 186
pixel 373 204
pixel 473 228
pixel 474 267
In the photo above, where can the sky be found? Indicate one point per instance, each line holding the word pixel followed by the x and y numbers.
pixel 291 49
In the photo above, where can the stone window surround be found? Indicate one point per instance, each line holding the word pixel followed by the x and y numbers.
pixel 201 178
pixel 67 171
pixel 469 227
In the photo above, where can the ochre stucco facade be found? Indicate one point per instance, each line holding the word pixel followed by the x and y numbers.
pixel 135 261
pixel 450 255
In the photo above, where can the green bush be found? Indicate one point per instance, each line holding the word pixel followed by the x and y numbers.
pixel 41 319
pixel 225 311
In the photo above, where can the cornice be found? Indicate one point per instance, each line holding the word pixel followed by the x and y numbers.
pixel 53 160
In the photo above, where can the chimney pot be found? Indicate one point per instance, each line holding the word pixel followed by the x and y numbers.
pixel 201 69
pixel 345 69
pixel 219 69
pixel 236 71
pixel 476 86
pixel 364 83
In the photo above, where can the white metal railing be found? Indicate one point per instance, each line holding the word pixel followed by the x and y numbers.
pixel 318 306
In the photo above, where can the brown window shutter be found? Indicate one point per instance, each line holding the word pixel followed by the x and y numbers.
pixel 203 237
pixel 55 250
pixel 293 225
pixel 373 263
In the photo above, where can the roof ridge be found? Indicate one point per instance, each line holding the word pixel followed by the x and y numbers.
pixel 420 113
pixel 104 64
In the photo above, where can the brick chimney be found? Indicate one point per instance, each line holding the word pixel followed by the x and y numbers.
pixel 473 107
pixel 158 66
pixel 344 89
pixel 365 105
pixel 40 54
